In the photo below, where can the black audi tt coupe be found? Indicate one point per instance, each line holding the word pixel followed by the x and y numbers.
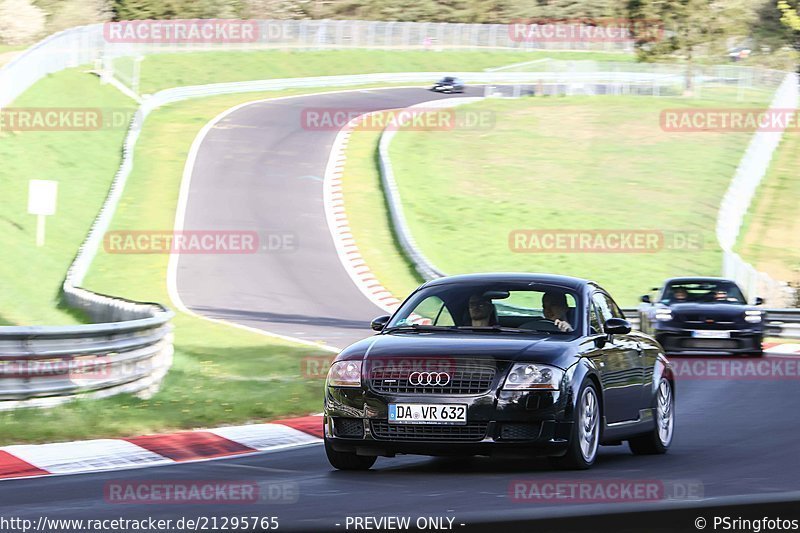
pixel 703 316
pixel 508 363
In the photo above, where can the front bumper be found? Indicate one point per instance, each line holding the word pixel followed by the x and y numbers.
pixel 505 422
pixel 681 341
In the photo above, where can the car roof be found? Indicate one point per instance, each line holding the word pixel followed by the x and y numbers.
pixel 549 279
pixel 696 279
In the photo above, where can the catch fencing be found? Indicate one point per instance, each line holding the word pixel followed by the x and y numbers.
pixel 130 348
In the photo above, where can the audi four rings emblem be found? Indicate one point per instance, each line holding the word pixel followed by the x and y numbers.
pixel 429 378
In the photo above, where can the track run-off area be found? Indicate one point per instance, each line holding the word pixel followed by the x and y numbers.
pixel 258 169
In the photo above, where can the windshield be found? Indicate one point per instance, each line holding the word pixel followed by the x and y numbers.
pixel 524 307
pixel 703 292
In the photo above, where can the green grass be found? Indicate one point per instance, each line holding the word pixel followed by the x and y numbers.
pixel 83 163
pixel 770 236
pixel 570 163
pixel 162 71
pixel 221 375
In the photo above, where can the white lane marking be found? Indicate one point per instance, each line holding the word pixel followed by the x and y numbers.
pixel 85 456
pixel 183 200
pixel 265 436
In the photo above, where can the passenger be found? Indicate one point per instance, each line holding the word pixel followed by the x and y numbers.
pixel 481 311
pixel 721 295
pixel 554 307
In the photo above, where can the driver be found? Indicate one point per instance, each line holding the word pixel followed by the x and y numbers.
pixel 554 307
pixel 721 295
pixel 679 294
pixel 481 310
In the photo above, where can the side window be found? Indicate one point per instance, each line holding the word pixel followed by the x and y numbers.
pixel 594 322
pixel 616 312
pixel 603 309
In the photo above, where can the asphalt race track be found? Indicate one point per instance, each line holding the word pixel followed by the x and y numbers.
pixel 259 170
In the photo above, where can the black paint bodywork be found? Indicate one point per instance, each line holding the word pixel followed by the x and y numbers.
pixel 625 369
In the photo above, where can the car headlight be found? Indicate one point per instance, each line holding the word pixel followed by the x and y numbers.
pixel 345 374
pixel 527 376
pixel 663 315
pixel 754 317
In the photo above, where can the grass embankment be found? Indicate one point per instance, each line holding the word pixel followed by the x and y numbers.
pixel 161 71
pixel 572 163
pixel 83 163
pixel 770 236
pixel 221 375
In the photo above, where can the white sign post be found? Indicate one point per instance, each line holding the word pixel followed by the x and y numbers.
pixel 42 202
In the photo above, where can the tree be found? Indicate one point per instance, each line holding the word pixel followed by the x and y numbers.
pixel 687 25
pixel 20 21
pixel 790 16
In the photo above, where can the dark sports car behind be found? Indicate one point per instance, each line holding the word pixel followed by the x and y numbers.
pixel 703 316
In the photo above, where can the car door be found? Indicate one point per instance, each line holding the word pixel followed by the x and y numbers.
pixel 621 368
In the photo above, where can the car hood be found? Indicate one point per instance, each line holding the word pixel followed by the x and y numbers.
pixel 553 350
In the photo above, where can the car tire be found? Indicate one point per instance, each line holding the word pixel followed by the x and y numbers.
pixel 581 453
pixel 658 440
pixel 348 460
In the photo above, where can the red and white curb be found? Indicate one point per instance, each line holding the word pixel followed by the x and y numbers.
pixel 336 216
pixel 782 350
pixel 32 460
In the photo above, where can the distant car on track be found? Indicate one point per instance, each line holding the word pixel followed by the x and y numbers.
pixel 703 316
pixel 483 364
pixel 448 84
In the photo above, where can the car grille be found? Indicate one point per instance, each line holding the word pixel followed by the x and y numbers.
pixel 468 378
pixel 691 318
pixel 381 429
pixel 711 344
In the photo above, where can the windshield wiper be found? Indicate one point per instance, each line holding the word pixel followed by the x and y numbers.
pixel 501 329
pixel 418 327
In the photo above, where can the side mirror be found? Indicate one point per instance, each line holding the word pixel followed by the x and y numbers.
pixel 378 323
pixel 617 326
pixel 646 298
pixel 759 301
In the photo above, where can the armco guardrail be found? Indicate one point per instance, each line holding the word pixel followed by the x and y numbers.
pixel 42 366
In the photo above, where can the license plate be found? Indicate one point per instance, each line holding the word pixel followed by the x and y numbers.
pixel 711 334
pixel 420 413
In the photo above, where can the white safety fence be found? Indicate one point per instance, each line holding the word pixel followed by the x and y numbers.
pixel 733 209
